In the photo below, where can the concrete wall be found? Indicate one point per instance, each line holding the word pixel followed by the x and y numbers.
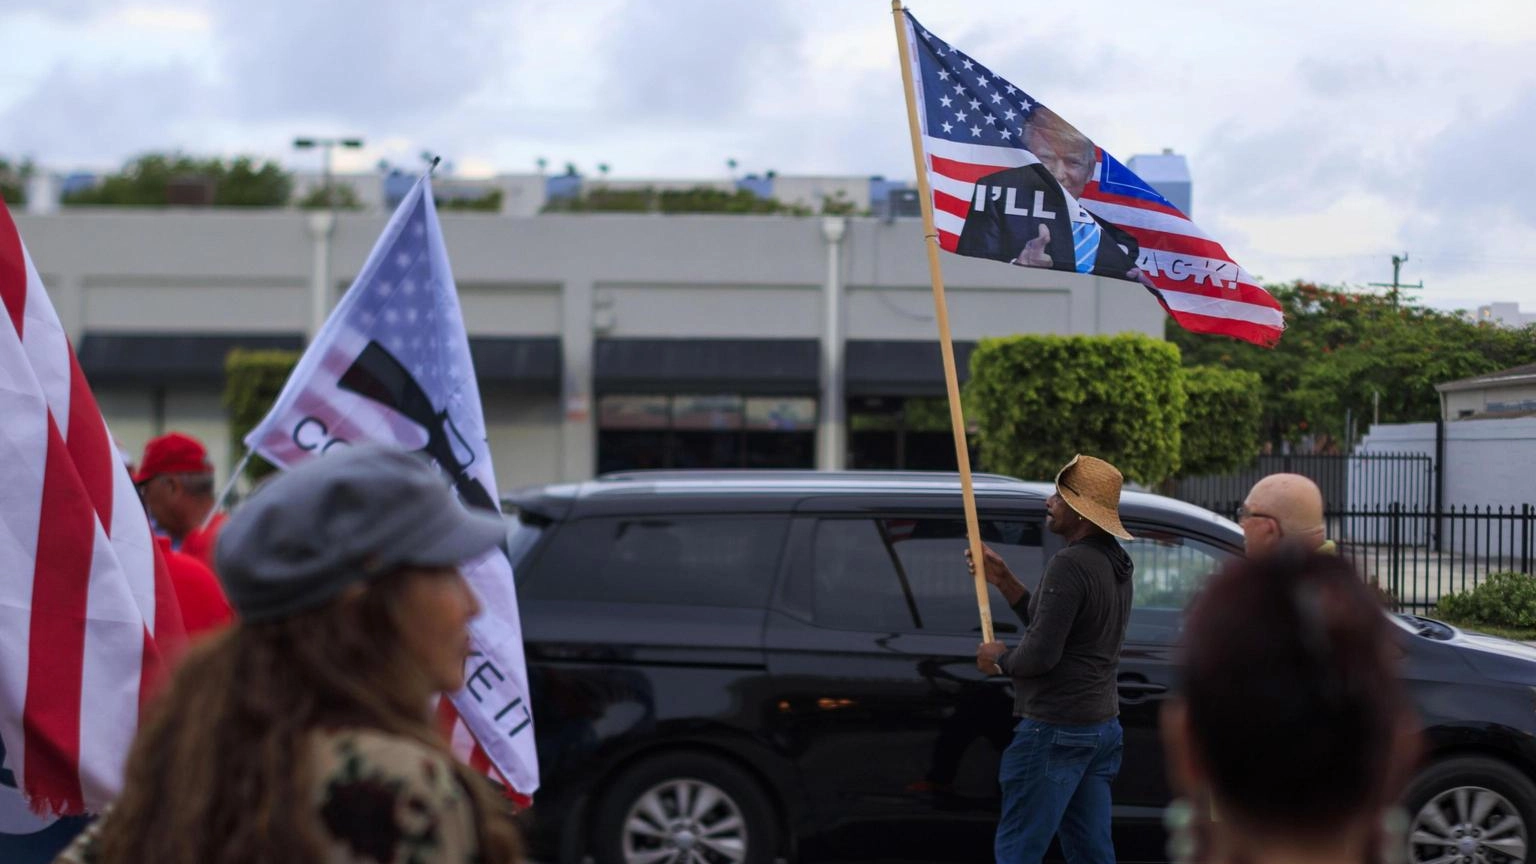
pixel 577 277
pixel 1487 462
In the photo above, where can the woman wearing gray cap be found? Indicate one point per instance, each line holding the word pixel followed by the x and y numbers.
pixel 302 733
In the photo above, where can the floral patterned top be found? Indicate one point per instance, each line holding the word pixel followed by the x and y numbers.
pixel 380 800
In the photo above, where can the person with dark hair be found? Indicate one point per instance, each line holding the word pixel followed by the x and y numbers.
pixel 1067 744
pixel 1292 737
pixel 301 733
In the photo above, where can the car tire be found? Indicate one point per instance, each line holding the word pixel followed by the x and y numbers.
pixel 1471 808
pixel 703 809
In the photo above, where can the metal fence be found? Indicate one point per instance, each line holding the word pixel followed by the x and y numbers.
pixel 1417 555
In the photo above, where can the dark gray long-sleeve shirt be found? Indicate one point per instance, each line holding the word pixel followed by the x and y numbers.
pixel 1064 669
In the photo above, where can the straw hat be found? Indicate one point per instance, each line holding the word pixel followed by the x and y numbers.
pixel 1091 487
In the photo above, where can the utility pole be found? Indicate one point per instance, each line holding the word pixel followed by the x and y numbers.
pixel 1396 287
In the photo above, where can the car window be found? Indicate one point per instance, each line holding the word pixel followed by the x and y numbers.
pixel 1170 567
pixel 702 561
pixel 898 574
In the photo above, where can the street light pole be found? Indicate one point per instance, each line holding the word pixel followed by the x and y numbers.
pixel 832 423
pixel 322 227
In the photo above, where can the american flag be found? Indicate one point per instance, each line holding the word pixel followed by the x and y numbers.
pixel 88 616
pixel 973 124
pixel 404 308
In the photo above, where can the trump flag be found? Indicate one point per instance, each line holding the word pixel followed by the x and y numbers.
pixel 392 366
pixel 1013 181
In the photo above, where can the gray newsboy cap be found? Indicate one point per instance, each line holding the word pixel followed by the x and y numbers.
pixel 339 519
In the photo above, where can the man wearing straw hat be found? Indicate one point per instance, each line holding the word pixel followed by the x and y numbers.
pixel 1066 748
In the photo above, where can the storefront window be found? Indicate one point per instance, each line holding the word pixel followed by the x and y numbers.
pixel 706 412
pixel 781 415
pixel 705 431
pixel 634 412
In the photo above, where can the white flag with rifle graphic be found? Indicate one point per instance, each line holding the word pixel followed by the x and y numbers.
pixel 392 366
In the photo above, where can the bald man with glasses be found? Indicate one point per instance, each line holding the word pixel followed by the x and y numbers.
pixel 1283 508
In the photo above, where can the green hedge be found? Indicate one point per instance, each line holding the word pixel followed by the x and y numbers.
pixel 145 181
pixel 1038 400
pixel 1221 420
pixel 252 381
pixel 1502 600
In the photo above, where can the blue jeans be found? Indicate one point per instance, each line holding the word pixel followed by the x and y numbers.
pixel 1056 779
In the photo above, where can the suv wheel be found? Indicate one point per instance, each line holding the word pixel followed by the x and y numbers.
pixel 684 808
pixel 1471 809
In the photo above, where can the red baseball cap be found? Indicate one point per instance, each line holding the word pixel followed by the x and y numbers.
pixel 173 453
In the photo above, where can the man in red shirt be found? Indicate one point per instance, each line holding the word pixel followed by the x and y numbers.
pixel 175 479
pixel 198 593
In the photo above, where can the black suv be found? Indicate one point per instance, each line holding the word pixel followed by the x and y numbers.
pixel 744 666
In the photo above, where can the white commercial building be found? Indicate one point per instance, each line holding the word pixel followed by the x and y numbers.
pixel 602 341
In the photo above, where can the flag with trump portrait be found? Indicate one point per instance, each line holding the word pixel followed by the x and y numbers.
pixel 392 366
pixel 88 616
pixel 1013 181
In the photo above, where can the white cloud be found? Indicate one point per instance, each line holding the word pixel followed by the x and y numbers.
pixel 354 61
pixel 1322 136
pixel 97 117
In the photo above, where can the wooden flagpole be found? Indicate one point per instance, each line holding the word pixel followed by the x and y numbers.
pixel 941 314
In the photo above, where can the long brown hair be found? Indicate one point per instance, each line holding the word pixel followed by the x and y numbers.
pixel 219 771
pixel 1294 699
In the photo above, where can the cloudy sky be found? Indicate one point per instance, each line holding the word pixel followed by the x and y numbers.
pixel 1323 135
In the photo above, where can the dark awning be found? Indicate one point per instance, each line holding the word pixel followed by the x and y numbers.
pixel 900 367
pixel 760 366
pixel 530 364
pixel 527 364
pixel 170 358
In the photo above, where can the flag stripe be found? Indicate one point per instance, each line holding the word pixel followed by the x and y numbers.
pixel 446 716
pixel 110 672
pixel 47 348
pixel 961 189
pixel 966 172
pixel 1136 217
pixel 1260 334
pixel 1093 192
pixel 951 205
pixel 56 651
pixel 1217 307
pixel 89 446
pixel 13 271
pixel 977 154
pixel 945 221
pixel 23 455
pixel 478 760
pixel 1176 243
